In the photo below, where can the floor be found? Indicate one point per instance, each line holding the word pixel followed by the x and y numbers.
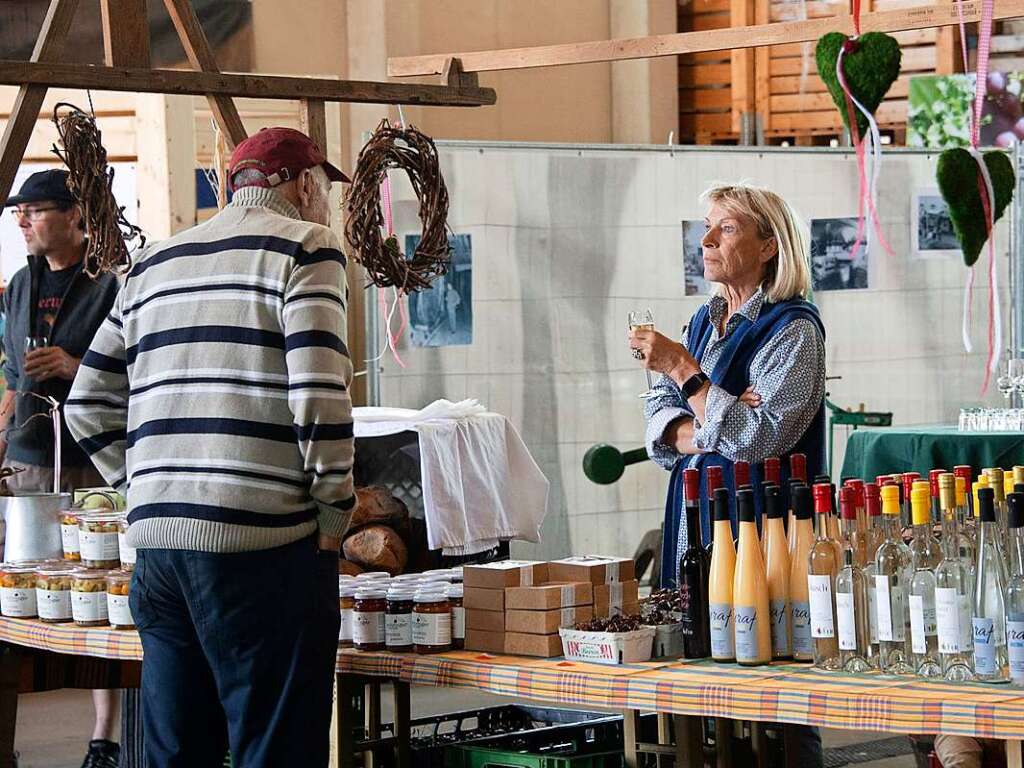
pixel 54 728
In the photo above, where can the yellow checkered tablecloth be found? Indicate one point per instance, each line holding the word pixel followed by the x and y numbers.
pixel 777 693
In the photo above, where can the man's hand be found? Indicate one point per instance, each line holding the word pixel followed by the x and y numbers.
pixel 51 363
pixel 750 398
pixel 331 543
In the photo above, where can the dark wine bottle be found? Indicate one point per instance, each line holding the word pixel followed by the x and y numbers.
pixel 693 576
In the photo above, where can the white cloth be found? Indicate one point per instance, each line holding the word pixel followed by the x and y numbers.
pixel 480 483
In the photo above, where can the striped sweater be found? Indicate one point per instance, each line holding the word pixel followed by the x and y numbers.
pixel 215 395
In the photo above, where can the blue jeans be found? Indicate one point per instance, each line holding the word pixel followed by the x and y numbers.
pixel 240 644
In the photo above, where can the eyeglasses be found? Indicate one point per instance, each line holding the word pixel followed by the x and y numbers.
pixel 32 214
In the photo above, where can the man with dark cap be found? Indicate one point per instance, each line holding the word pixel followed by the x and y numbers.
pixel 52 310
pixel 216 397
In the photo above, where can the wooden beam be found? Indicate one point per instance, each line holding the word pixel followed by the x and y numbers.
pixel 125 33
pixel 918 17
pixel 201 57
pixel 313 121
pixel 252 86
pixel 742 69
pixel 30 97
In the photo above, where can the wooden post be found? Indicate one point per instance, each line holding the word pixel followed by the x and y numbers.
pixel 165 130
pixel 201 57
pixel 125 33
pixel 313 121
pixel 741 14
pixel 1013 754
pixel 30 97
pixel 762 70
pixel 630 720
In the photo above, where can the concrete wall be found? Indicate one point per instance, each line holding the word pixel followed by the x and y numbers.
pixel 566 241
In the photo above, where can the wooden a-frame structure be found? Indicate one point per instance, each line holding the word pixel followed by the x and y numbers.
pixel 127 68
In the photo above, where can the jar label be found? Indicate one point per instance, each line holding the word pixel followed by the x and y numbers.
pixel 368 627
pixel 89 606
pixel 746 633
pixel 847 621
pixel 1015 648
pixel 118 611
pixel 432 628
pixel 398 630
pixel 18 602
pixel 780 627
pixel 345 632
pixel 458 622
pixel 947 619
pixel 819 590
pixel 98 546
pixel 54 604
pixel 127 553
pixel 69 539
pixel 803 645
pixel 984 646
pixel 722 646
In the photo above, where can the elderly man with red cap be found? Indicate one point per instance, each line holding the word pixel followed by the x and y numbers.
pixel 215 397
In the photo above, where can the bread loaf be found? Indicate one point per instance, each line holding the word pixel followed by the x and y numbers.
pixel 377 548
pixel 346 568
pixel 378 507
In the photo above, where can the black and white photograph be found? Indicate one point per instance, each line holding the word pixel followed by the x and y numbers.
pixel 693 259
pixel 443 315
pixel 834 265
pixel 931 229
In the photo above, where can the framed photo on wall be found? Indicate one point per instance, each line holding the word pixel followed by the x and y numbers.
pixel 835 266
pixel 931 229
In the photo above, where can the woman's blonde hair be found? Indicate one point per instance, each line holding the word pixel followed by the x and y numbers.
pixel 788 275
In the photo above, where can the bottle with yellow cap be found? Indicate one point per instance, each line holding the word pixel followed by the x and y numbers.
pixel 997 482
pixel 926 555
pixel 989 620
pixel 893 572
pixel 953 605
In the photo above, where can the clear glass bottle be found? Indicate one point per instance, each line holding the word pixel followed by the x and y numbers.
pixel 873 500
pixel 964 472
pixel 966 544
pixel 907 480
pixel 1015 589
pixel 851 591
pixel 893 571
pixel 933 486
pixel 953 596
pixel 926 555
pixel 989 596
pixel 822 567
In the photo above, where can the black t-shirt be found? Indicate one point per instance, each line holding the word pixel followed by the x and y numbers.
pixel 53 286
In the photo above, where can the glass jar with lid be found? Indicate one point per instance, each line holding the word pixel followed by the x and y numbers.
pixel 53 593
pixel 373 576
pixel 69 536
pixel 431 623
pixel 437 574
pixel 125 553
pixel 17 591
pixel 97 537
pixel 454 594
pixel 347 598
pixel 398 621
pixel 456 574
pixel 368 619
pixel 118 612
pixel 89 598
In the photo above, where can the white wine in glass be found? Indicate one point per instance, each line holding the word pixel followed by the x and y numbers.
pixel 643 320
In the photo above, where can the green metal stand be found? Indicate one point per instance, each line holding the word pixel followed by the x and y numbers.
pixel 844 418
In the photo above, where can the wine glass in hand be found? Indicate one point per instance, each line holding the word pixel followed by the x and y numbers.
pixel 643 320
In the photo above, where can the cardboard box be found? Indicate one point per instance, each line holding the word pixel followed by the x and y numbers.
pixel 479 599
pixel 547 596
pixel 487 642
pixel 546 622
pixel 489 621
pixel 510 573
pixel 618 597
pixel 544 646
pixel 592 568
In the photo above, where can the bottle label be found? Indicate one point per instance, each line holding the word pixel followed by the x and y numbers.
pixel 432 628
pixel 398 630
pixel 119 612
pixel 54 604
pixel 966 627
pixel 368 627
pixel 984 646
pixel 345 631
pixel 722 646
pixel 69 539
pixel 1015 648
pixel 17 602
pixel 803 645
pixel 746 634
pixel 947 619
pixel 891 611
pixel 922 622
pixel 847 621
pixel 872 610
pixel 780 628
pixel 819 589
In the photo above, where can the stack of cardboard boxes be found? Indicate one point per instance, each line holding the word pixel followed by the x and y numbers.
pixel 517 607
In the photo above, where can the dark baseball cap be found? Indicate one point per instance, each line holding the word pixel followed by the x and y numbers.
pixel 42 186
pixel 281 154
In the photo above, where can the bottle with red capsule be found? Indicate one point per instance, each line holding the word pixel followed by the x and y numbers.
pixel 694 567
pixel 851 591
pixel 906 516
pixel 933 486
pixel 822 568
pixel 713 481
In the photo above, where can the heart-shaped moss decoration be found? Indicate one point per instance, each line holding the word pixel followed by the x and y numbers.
pixel 870 68
pixel 958 181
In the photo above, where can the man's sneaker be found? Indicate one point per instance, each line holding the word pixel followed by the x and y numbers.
pixel 102 754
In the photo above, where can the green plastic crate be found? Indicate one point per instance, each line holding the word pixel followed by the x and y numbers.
pixel 482 757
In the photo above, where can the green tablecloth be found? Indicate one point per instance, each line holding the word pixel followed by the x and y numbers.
pixel 872 452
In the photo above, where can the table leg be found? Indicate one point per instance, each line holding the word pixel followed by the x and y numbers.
pixel 759 742
pixel 689 741
pixel 1014 754
pixel 629 728
pixel 791 745
pixel 664 737
pixel 345 735
pixel 10 666
pixel 372 721
pixel 403 724
pixel 723 742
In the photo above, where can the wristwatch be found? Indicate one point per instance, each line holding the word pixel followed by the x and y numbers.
pixel 693 384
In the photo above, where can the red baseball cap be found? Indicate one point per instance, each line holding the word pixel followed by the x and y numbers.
pixel 281 154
